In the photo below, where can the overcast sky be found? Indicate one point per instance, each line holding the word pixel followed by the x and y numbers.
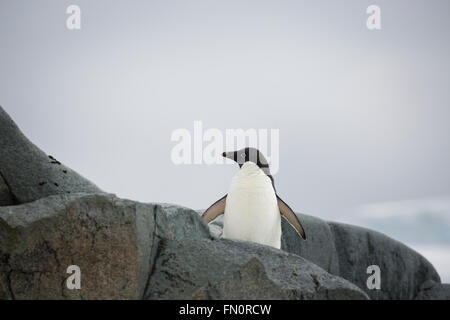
pixel 363 115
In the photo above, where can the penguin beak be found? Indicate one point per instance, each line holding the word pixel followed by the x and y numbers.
pixel 229 155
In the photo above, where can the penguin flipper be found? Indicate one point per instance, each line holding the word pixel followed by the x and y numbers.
pixel 291 217
pixel 215 210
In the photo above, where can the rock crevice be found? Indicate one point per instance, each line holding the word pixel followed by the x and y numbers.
pixel 7 198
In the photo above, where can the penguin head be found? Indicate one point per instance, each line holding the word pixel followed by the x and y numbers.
pixel 248 154
pixel 253 155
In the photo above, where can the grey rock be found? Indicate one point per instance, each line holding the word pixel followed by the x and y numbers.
pixel 118 244
pixel 110 239
pixel 403 270
pixel 176 222
pixel 346 251
pixel 227 269
pixel 215 227
pixel 6 198
pixel 29 173
pixel 434 291
pixel 130 250
pixel 319 247
pixel 51 218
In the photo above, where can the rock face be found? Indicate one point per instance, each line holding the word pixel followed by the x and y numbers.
pixel 346 251
pixel 434 291
pixel 108 238
pixel 112 241
pixel 403 270
pixel 28 172
pixel 125 249
pixel 6 198
pixel 52 218
pixel 320 247
pixel 226 269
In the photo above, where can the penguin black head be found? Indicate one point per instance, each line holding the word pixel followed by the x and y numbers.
pixel 249 154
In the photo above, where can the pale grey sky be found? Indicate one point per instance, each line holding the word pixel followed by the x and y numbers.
pixel 363 115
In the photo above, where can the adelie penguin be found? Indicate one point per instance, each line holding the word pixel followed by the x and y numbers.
pixel 252 209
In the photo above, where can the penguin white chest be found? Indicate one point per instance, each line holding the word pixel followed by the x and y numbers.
pixel 251 210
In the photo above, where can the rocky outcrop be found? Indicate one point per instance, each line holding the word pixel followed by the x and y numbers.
pixel 28 172
pixel 432 290
pixel 131 250
pixel 403 270
pixel 52 218
pixel 347 251
pixel 226 269
pixel 6 198
pixel 109 239
pixel 319 249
